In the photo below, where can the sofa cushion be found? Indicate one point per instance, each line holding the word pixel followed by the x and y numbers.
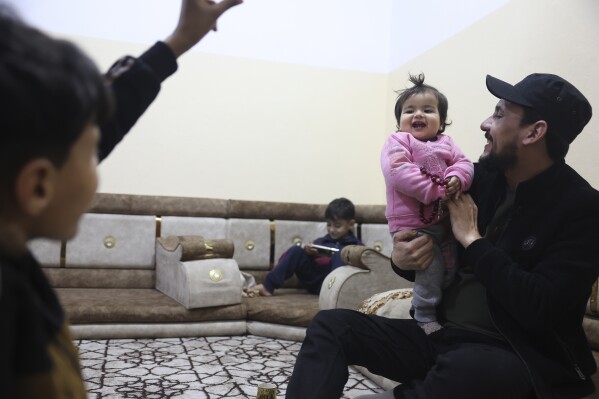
pixel 275 210
pixel 290 307
pixel 192 226
pixel 377 236
pixel 252 239
pixel 100 278
pixel 131 204
pixel 47 252
pixel 289 233
pixel 113 241
pixel 117 305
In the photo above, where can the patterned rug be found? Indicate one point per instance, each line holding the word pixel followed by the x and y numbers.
pixel 198 368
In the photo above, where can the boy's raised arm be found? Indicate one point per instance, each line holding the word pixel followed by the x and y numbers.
pixel 197 18
pixel 136 82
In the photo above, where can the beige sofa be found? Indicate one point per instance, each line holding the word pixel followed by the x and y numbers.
pixel 106 276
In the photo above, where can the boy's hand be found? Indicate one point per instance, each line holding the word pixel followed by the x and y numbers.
pixel 310 250
pixel 453 188
pixel 197 18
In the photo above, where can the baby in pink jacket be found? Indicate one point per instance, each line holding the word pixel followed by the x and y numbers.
pixel 423 168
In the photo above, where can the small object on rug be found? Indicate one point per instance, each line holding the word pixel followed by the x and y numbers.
pixel 267 391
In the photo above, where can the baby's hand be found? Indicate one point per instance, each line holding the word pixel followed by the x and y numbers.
pixel 453 188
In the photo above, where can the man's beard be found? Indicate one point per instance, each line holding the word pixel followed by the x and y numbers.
pixel 500 162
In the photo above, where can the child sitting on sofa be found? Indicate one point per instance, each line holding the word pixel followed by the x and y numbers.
pixel 312 264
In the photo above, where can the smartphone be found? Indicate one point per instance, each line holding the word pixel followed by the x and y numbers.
pixel 324 250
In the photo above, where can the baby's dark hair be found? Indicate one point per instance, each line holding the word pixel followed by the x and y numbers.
pixel 49 92
pixel 418 88
pixel 340 208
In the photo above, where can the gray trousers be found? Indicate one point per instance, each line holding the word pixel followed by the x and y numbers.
pixel 429 283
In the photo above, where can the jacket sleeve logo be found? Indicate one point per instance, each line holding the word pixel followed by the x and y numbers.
pixel 528 243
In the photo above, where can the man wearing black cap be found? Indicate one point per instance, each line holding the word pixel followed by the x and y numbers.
pixel 513 318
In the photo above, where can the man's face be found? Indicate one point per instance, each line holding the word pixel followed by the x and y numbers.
pixel 502 131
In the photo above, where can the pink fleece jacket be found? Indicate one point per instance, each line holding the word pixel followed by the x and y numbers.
pixel 407 187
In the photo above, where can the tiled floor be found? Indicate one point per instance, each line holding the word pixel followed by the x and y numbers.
pixel 198 368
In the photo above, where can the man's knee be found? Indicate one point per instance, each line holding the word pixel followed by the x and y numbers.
pixel 485 370
pixel 330 320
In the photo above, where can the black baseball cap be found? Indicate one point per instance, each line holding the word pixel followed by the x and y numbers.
pixel 557 101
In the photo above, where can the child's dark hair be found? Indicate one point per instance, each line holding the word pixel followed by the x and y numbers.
pixel 418 88
pixel 49 92
pixel 340 208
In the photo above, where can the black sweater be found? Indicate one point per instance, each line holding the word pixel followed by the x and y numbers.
pixel 539 274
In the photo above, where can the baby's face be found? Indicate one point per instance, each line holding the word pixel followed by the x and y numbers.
pixel 420 116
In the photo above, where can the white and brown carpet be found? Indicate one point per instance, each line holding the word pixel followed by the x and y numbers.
pixel 198 368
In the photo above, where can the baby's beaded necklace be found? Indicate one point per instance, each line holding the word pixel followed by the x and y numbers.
pixel 437 206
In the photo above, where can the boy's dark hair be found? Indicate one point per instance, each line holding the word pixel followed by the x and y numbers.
pixel 418 88
pixel 49 92
pixel 557 147
pixel 340 208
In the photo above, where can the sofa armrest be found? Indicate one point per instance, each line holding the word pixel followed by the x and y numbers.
pixel 368 272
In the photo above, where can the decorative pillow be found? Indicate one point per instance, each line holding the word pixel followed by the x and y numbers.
pixel 197 248
pixel 198 273
pixel 394 304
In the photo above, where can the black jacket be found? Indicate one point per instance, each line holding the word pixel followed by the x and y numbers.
pixel 540 272
pixel 135 83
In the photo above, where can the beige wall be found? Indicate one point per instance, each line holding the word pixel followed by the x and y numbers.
pixel 523 37
pixel 228 127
